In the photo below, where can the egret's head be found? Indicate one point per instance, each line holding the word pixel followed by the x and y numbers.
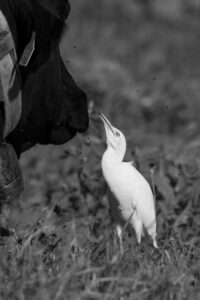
pixel 115 138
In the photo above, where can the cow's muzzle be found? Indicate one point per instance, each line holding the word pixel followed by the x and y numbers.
pixel 62 134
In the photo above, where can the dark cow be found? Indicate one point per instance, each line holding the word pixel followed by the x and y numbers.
pixel 54 108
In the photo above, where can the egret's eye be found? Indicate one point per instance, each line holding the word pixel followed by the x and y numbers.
pixel 117 133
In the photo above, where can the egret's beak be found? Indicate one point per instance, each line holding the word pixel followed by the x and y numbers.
pixel 107 124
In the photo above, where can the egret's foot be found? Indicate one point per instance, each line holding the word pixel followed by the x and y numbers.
pixel 155 244
pixel 119 235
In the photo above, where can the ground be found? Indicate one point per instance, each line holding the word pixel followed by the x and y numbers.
pixel 141 68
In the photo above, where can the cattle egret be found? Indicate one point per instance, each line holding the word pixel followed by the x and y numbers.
pixel 131 200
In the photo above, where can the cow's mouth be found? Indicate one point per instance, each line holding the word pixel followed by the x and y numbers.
pixel 62 133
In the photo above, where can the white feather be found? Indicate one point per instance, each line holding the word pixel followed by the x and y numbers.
pixel 132 196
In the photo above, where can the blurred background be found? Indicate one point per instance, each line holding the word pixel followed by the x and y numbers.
pixel 139 62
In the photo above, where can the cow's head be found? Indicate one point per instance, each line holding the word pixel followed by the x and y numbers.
pixel 54 108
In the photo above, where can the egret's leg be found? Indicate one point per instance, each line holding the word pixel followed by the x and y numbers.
pixel 119 234
pixel 154 241
pixel 138 227
pixel 151 230
pixel 138 230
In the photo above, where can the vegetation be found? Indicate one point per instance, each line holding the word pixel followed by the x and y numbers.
pixel 140 67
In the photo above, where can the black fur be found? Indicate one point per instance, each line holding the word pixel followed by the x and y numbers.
pixel 54 108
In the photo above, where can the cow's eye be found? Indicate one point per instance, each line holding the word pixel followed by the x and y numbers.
pixel 117 133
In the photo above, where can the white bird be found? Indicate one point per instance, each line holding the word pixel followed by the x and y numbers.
pixel 131 200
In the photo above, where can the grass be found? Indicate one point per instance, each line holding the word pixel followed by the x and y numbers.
pixel 144 75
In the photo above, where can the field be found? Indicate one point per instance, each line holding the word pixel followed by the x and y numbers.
pixel 140 66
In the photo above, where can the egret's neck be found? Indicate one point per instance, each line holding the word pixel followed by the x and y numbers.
pixel 114 156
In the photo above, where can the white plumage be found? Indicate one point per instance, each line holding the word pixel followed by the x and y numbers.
pixel 131 198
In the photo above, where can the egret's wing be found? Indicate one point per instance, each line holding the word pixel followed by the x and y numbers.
pixel 127 183
pixel 136 187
